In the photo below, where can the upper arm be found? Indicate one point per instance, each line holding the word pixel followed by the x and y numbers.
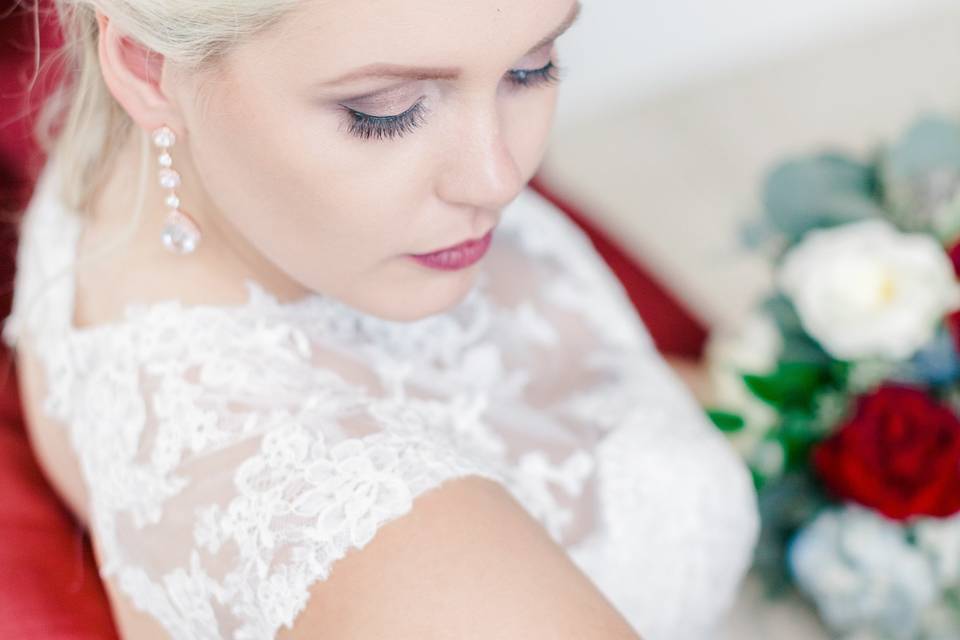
pixel 48 439
pixel 467 561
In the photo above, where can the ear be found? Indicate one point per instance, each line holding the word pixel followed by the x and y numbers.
pixel 134 74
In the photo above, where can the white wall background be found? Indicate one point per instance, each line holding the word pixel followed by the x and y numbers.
pixel 673 111
pixel 624 50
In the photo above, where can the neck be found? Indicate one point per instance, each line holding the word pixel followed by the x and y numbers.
pixel 213 273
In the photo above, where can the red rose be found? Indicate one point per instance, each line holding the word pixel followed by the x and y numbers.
pixel 899 454
pixel 954 252
pixel 953 319
pixel 953 326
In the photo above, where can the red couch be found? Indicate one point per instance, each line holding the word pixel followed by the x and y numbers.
pixel 49 586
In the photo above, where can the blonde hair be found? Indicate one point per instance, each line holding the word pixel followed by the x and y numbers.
pixel 193 35
pixel 82 126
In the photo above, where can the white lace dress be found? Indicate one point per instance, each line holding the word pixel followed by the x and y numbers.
pixel 232 454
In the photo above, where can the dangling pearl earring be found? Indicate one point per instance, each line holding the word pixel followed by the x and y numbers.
pixel 180 233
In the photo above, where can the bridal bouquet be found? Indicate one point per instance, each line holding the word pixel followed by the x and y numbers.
pixel 842 391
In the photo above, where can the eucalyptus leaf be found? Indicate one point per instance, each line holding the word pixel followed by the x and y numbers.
pixel 755 233
pixel 931 142
pixel 921 176
pixel 785 506
pixel 946 225
pixel 820 191
pixel 798 346
pixel 779 307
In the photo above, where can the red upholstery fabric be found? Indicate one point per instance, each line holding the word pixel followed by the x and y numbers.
pixel 674 328
pixel 22 90
pixel 49 587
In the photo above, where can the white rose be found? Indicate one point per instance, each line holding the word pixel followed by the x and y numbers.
pixel 862 573
pixel 940 539
pixel 866 289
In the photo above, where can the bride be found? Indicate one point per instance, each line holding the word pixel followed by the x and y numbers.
pixel 304 352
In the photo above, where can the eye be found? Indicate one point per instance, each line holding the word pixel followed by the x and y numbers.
pixel 550 74
pixel 365 126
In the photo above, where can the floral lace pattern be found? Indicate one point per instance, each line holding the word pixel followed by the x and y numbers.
pixel 233 455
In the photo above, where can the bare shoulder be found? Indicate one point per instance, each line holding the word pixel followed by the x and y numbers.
pixel 48 438
pixel 467 561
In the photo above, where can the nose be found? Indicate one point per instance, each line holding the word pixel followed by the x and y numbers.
pixel 481 170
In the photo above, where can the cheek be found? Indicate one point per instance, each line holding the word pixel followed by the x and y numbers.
pixel 288 179
pixel 527 126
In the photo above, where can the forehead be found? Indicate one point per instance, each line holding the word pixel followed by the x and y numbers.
pixel 332 35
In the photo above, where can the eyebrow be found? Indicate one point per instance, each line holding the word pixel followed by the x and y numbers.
pixel 388 70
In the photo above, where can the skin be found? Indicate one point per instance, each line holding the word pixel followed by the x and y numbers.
pixel 284 194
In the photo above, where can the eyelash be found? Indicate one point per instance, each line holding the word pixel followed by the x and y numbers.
pixel 365 126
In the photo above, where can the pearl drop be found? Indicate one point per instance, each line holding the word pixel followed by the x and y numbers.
pixel 169 178
pixel 164 137
pixel 180 234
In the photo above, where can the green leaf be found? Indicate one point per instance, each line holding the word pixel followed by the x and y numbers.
pixel 792 385
pixel 946 225
pixel 921 175
pixel 819 191
pixel 726 421
pixel 785 506
pixel 798 432
pixel 932 142
pixel 783 313
pixel 800 347
pixel 755 233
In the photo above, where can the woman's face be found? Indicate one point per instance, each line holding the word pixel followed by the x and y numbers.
pixel 335 174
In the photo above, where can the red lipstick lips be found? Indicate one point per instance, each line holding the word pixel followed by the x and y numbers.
pixel 458 256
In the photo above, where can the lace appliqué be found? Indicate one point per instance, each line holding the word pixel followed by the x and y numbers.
pixel 233 455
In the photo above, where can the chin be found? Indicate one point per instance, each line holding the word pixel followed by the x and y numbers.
pixel 430 299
